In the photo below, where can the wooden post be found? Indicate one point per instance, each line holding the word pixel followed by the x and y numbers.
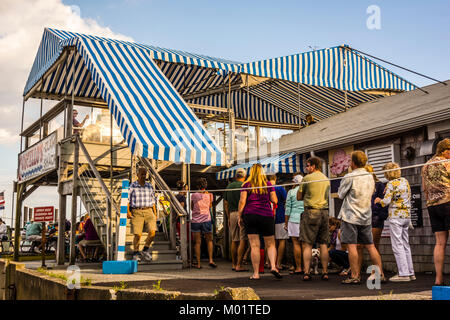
pixel 257 131
pixel 214 227
pixel 21 125
pixel 17 225
pixel 183 224
pixel 299 109
pixel 74 202
pixel 25 215
pixel 61 247
pixel 43 245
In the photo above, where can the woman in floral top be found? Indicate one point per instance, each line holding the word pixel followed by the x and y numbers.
pixel 436 186
pixel 398 197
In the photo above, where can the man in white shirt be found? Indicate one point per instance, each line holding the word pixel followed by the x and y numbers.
pixel 356 190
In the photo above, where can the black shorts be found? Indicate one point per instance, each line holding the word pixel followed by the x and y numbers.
pixel 377 222
pixel 440 217
pixel 256 224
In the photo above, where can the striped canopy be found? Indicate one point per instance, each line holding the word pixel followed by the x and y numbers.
pixel 152 116
pixel 284 163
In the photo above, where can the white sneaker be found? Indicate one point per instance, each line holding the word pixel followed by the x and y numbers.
pixel 137 257
pixel 147 255
pixel 413 277
pixel 398 278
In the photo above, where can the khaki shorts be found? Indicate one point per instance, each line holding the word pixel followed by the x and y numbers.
pixel 237 233
pixel 314 226
pixel 142 220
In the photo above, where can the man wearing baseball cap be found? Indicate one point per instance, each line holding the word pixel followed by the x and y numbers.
pixel 237 233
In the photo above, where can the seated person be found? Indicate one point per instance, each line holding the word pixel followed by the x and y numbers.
pixel 34 234
pixel 3 231
pixel 90 239
pixel 337 252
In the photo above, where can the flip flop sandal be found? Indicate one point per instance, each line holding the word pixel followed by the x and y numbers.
pixel 351 281
pixel 213 265
pixel 307 277
pixel 251 278
pixel 276 274
pixel 325 277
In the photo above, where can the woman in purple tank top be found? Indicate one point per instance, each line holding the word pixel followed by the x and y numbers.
pixel 256 213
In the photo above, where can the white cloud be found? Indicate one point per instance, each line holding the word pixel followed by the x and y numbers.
pixel 21 27
pixel 22 24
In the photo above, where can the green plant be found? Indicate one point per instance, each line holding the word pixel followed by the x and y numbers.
pixel 83 281
pixel 217 290
pixel 383 297
pixel 157 286
pixel 122 286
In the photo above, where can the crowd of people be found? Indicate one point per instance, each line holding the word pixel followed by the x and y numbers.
pixel 264 214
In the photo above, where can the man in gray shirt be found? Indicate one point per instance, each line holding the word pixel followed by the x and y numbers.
pixel 356 190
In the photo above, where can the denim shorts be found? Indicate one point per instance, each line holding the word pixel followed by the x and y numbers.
pixel 203 227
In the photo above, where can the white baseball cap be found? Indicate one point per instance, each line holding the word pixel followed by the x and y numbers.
pixel 297 178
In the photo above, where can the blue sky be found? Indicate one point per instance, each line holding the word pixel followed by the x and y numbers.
pixel 414 34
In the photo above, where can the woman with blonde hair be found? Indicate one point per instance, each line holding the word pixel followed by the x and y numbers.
pixel 256 214
pixel 398 197
pixel 436 186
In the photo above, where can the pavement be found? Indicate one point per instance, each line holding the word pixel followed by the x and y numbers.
pixel 291 287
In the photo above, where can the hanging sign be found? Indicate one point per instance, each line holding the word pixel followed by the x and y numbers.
pixel 38 159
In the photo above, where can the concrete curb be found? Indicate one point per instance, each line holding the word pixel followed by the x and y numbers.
pixel 19 283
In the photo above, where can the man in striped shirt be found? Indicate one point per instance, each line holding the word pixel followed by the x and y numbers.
pixel 142 205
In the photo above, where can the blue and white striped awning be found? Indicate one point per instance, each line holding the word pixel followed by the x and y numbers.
pixel 146 88
pixel 152 116
pixel 338 67
pixel 284 163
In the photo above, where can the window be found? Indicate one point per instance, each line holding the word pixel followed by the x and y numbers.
pixel 379 156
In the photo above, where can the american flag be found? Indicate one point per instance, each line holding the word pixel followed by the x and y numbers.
pixel 2 200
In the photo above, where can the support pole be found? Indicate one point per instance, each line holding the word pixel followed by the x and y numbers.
pixel 231 120
pixel 248 114
pixel 184 221
pixel 61 247
pixel 12 202
pixel 40 116
pixel 21 125
pixel 74 201
pixel 17 224
pixel 257 129
pixel 299 109
pixel 189 212
pixel 43 241
pixel 109 242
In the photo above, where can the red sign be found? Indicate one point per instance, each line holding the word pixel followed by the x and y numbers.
pixel 43 214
